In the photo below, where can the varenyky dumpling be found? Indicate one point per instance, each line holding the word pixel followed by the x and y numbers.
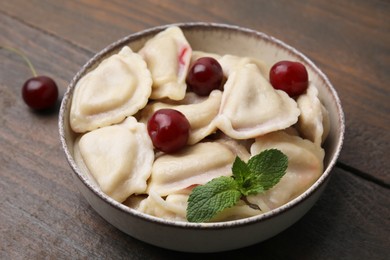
pixel 196 164
pixel 230 63
pixel 251 106
pixel 200 54
pixel 200 112
pixel 313 123
pixel 305 165
pixel 168 56
pixel 118 157
pixel 238 147
pixel 117 88
pixel 173 207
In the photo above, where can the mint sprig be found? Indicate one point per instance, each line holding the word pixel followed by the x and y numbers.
pixel 262 172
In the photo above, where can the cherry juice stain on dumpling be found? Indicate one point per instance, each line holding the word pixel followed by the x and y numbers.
pixel 168 55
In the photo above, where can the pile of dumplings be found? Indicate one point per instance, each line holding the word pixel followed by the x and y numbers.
pixel 112 103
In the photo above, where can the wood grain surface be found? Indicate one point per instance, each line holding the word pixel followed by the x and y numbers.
pixel 43 215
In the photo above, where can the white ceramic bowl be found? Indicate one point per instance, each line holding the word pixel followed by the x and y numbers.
pixel 210 237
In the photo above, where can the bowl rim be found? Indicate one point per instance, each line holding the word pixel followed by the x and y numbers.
pixel 189 225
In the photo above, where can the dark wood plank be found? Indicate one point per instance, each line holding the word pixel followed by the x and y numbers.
pixel 34 189
pixel 349 40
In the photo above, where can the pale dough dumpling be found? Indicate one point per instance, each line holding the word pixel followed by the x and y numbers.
pixel 200 112
pixel 251 106
pixel 118 157
pixel 305 165
pixel 313 123
pixel 117 88
pixel 197 164
pixel 238 147
pixel 200 54
pixel 168 56
pixel 230 63
pixel 173 207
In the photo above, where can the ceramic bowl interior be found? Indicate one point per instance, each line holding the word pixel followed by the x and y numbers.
pixel 209 237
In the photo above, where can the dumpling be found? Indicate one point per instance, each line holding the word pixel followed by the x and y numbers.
pixel 168 56
pixel 200 112
pixel 313 123
pixel 238 147
pixel 305 166
pixel 118 157
pixel 173 207
pixel 193 165
pixel 200 54
pixel 230 63
pixel 251 106
pixel 117 88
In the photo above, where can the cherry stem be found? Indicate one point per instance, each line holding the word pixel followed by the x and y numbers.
pixel 21 54
pixel 252 205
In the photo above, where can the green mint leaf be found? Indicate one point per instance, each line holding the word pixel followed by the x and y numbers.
pixel 205 201
pixel 266 170
pixel 240 170
pixel 262 172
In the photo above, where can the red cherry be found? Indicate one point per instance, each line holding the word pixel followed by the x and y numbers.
pixel 204 76
pixel 169 130
pixel 40 92
pixel 290 77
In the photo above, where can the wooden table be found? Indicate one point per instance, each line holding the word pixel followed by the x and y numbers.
pixel 43 215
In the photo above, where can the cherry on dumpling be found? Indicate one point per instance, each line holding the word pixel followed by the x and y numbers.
pixel 289 76
pixel 169 130
pixel 204 76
